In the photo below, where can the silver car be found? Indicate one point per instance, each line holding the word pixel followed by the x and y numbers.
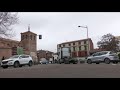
pixel 103 56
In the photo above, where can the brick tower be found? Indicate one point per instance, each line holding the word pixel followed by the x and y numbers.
pixel 29 43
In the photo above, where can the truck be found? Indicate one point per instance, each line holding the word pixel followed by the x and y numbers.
pixel 64 56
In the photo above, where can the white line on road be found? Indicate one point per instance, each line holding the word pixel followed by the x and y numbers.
pixel 114 64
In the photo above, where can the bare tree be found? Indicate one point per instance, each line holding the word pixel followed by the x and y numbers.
pixel 108 42
pixel 7 19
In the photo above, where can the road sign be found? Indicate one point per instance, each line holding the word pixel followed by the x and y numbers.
pixel 19 50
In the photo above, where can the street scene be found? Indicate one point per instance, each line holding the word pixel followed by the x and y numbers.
pixel 37 48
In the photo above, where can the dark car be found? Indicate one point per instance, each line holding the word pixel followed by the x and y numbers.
pixel 74 61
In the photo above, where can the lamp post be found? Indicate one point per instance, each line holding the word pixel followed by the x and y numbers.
pixel 87 38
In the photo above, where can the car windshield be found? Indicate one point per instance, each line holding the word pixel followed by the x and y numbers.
pixel 112 52
pixel 16 56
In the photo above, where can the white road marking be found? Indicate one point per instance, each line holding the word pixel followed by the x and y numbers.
pixel 114 64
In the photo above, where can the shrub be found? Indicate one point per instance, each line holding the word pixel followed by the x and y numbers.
pixel 119 55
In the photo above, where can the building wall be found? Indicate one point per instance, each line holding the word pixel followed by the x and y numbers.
pixel 29 44
pixel 44 54
pixel 74 47
pixel 29 41
pixel 6 52
pixel 6 47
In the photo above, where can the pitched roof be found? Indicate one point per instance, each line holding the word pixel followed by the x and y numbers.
pixel 4 39
pixel 44 51
pixel 28 32
pixel 75 41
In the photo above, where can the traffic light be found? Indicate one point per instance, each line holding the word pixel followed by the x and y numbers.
pixel 40 36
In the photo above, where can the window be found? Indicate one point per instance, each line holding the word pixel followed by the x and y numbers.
pixel 34 37
pixel 31 37
pixel 84 42
pixel 26 56
pixel 22 37
pixel 79 43
pixel 70 50
pixel 8 44
pixel 69 44
pixel 73 48
pixel 112 53
pixel 63 45
pixel 103 53
pixel 73 43
pixel 23 56
pixel 95 54
pixel 85 47
pixel 80 48
pixel 26 36
pixel 59 45
pixel 86 53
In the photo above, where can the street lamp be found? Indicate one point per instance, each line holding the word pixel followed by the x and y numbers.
pixel 87 38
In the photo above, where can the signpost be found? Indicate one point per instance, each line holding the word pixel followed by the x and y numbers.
pixel 19 50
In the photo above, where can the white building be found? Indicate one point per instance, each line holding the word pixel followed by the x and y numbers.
pixel 55 56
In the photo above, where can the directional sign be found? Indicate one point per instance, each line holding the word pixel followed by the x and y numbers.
pixel 19 50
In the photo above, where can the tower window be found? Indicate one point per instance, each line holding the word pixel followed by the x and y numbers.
pixel 8 44
pixel 31 37
pixel 26 36
pixel 34 37
pixel 22 37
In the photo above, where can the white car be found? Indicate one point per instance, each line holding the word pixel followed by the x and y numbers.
pixel 103 56
pixel 17 61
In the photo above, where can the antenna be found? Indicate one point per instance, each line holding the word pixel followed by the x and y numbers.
pixel 29 27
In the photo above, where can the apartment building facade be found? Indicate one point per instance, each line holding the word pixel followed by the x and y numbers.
pixel 77 48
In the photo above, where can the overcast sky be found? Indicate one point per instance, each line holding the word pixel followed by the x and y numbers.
pixel 58 27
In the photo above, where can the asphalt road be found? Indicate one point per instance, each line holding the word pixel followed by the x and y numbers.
pixel 63 71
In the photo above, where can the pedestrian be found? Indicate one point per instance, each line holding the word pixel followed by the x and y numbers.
pixel 3 58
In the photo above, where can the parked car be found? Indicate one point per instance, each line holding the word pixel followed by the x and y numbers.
pixel 17 61
pixel 103 56
pixel 43 61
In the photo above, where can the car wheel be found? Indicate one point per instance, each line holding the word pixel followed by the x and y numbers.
pixel 30 63
pixel 116 62
pixel 107 61
pixel 4 67
pixel 16 64
pixel 89 61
